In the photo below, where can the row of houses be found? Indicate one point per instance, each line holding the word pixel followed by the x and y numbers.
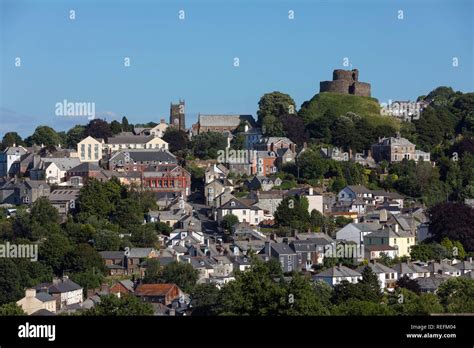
pixel 63 295
pixel 428 277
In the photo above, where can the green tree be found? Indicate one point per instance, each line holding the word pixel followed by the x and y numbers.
pixel 43 213
pixel 11 309
pixel 355 307
pixel 128 213
pixel 453 221
pixel 253 292
pixel 302 298
pixel 107 240
pixel 181 274
pixel 228 221
pixel 53 251
pixel 12 138
pixel 274 105
pixel 205 300
pixel 153 273
pixel 144 236
pixel 115 127
pixel 177 139
pixel 406 282
pixel 293 212
pixel 74 135
pixel 83 257
pixel 406 302
pixel 10 285
pixel 370 285
pixel 98 128
pixel 457 295
pixel 207 145
pixel 45 135
pixel 111 305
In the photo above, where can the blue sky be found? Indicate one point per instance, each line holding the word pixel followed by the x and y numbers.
pixel 82 60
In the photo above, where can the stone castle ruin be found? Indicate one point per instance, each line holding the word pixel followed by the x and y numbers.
pixel 345 82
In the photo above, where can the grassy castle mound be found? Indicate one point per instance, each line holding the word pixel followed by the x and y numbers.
pixel 340 104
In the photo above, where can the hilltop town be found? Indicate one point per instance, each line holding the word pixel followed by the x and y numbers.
pixel 340 207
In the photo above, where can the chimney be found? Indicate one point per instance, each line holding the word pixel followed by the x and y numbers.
pixel 267 248
pixel 305 145
pixel 246 127
pixel 30 293
pixel 396 228
pixel 470 259
pixel 310 192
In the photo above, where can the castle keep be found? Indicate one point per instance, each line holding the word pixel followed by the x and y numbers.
pixel 346 82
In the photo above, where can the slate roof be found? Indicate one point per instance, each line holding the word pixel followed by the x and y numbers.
pixel 282 248
pixel 139 252
pixel 435 267
pixel 389 232
pixel 272 140
pixel 34 184
pixel 224 120
pixel 128 284
pixel 62 163
pixel 148 155
pixel 63 195
pixel 237 205
pixel 44 297
pixel 465 265
pixel 42 312
pixel 431 283
pixel 130 139
pixel 376 268
pixel 112 254
pixel 62 286
pixel 404 267
pixel 85 167
pixel 395 141
pixel 360 189
pixel 338 271
pixel 303 246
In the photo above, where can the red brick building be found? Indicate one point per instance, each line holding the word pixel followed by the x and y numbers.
pixel 167 178
pixel 158 293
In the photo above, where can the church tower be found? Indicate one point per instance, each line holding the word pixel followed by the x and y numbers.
pixel 177 116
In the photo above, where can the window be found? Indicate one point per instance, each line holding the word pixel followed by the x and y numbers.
pixel 232 204
pixel 256 220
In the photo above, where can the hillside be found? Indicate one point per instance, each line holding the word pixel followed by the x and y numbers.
pixel 340 104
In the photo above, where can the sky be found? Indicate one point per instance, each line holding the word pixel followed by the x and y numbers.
pixel 82 59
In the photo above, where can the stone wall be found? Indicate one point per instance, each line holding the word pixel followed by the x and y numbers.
pixel 346 82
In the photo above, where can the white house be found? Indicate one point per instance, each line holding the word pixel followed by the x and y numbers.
pixel 410 270
pixel 355 232
pixel 90 149
pixel 130 141
pixel 387 276
pixel 64 290
pixel 9 156
pixel 315 201
pixel 351 192
pixel 245 213
pixel 55 169
pixel 337 274
pixel 35 301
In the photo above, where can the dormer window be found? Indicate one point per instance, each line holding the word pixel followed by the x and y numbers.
pixel 232 204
